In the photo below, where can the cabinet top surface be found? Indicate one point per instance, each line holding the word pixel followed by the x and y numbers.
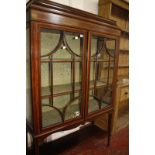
pixel 56 8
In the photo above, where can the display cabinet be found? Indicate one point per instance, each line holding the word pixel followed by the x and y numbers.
pixel 72 60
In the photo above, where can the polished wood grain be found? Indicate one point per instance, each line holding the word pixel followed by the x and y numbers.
pixel 35 77
pixel 56 8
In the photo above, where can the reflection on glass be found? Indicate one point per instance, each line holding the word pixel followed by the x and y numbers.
pixel 61 76
pixel 74 40
pixel 101 72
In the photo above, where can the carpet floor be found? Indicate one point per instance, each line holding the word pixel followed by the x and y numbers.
pixel 89 141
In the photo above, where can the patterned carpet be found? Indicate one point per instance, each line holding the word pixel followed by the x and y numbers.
pixel 89 141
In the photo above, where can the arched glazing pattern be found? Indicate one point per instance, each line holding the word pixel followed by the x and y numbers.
pixel 101 72
pixel 61 56
pixel 59 40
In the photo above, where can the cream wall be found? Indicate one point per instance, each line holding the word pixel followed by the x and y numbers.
pixel 86 5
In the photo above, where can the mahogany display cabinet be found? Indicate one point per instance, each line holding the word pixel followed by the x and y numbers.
pixel 71 64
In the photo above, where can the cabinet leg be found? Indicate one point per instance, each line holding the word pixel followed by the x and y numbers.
pixel 26 142
pixel 36 147
pixel 109 128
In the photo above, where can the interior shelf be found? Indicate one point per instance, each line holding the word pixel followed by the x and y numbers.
pixel 120 66
pixel 59 90
pixel 119 4
pixel 100 60
pixel 60 60
pixel 124 50
pixel 71 60
pixel 124 31
pixel 123 77
pixel 123 66
pixel 67 88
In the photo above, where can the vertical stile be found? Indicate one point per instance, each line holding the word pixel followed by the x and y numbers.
pixel 51 80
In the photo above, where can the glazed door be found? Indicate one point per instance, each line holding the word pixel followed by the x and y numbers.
pixel 62 70
pixel 100 64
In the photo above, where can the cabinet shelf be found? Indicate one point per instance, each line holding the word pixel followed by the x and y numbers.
pixel 123 66
pixel 60 60
pixel 71 60
pixel 100 60
pixel 59 90
pixel 119 66
pixel 64 89
pixel 124 50
pixel 124 32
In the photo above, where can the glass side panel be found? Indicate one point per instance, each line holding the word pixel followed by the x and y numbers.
pixel 61 76
pixel 101 73
pixel 99 98
pixel 28 80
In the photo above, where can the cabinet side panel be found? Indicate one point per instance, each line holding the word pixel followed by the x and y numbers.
pixel 28 79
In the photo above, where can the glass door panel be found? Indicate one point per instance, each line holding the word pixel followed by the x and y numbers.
pixel 97 100
pixel 61 76
pixel 101 73
pixel 60 109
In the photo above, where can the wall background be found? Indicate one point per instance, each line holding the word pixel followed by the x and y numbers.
pixel 86 5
